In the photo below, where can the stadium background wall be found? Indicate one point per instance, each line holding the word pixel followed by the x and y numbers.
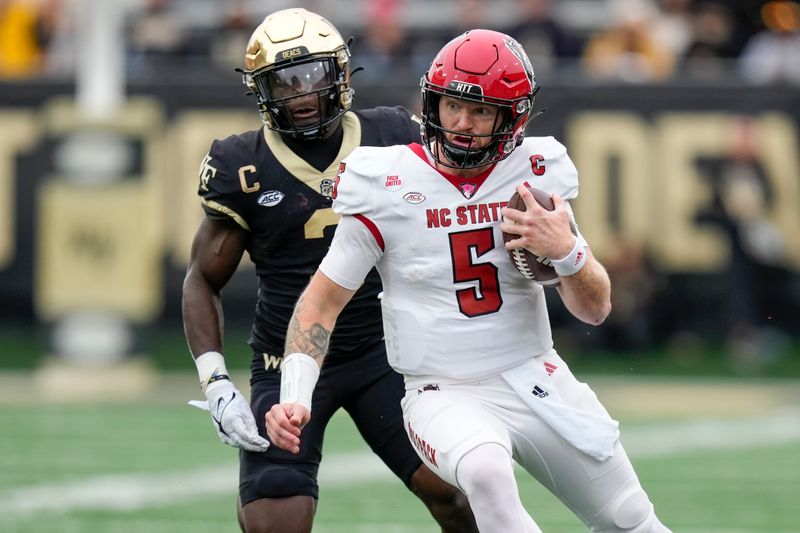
pixel 649 158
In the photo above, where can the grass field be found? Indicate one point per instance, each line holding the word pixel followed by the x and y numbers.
pixel 716 456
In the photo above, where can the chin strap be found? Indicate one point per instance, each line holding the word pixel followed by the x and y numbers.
pixel 244 74
pixel 348 43
pixel 540 112
pixel 466 158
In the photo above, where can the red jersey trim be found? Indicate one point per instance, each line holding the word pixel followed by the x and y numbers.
pixel 455 181
pixel 420 151
pixel 372 229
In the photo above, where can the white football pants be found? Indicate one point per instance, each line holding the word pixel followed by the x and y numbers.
pixel 451 423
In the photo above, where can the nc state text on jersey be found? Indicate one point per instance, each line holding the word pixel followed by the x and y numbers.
pixel 464 215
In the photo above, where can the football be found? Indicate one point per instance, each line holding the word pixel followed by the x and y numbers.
pixel 531 266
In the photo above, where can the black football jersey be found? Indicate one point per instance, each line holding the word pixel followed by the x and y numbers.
pixel 284 203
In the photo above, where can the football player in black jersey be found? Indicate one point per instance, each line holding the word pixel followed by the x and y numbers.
pixel 268 192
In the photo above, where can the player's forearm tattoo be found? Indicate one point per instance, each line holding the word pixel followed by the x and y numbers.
pixel 312 340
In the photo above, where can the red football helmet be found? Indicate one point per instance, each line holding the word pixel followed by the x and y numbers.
pixel 484 66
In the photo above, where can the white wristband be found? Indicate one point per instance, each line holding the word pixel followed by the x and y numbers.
pixel 210 368
pixel 299 374
pixel 573 262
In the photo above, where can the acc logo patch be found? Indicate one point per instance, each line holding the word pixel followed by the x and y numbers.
pixel 270 198
pixel 414 197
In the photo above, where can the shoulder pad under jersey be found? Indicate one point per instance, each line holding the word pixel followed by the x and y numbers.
pixel 549 158
pixel 219 186
pixel 362 179
pixel 391 125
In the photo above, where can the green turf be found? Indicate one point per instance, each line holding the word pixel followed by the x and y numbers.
pixel 715 491
pixel 58 443
pixel 750 490
pixel 24 348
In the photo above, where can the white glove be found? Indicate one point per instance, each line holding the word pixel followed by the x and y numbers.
pixel 232 417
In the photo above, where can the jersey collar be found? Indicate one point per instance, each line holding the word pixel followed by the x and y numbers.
pixel 466 186
pixel 298 167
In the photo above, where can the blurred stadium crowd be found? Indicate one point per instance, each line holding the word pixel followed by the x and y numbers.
pixel 635 41
pixel 175 48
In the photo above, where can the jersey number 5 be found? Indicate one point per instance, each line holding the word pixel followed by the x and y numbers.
pixel 484 298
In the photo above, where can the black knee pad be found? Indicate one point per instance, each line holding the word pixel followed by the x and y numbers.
pixel 278 481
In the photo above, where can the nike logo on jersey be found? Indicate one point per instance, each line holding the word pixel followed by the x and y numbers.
pixel 272 198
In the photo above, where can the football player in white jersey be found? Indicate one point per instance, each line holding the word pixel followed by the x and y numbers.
pixel 469 333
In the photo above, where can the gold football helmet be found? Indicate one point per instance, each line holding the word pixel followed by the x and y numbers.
pixel 297 66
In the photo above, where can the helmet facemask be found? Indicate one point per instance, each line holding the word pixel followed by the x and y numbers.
pixel 304 98
pixel 507 131
pixel 297 66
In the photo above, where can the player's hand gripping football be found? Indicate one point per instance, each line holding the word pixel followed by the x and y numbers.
pixel 284 422
pixel 542 232
pixel 232 417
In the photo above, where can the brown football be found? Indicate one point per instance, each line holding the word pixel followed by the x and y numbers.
pixel 531 266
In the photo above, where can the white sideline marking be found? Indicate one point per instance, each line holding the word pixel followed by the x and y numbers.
pixel 127 492
pixel 136 491
pixel 666 439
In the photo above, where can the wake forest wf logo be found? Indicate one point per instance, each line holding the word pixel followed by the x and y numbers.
pixel 206 172
pixel 272 363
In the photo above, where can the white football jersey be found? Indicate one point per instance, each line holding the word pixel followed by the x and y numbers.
pixel 454 306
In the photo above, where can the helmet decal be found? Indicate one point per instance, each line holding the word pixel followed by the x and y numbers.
pixel 515 48
pixel 467 88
